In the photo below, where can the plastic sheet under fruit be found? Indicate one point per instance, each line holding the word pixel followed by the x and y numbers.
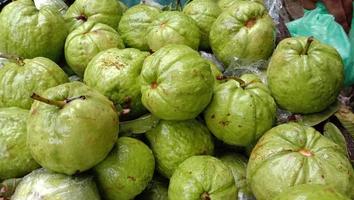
pixel 58 4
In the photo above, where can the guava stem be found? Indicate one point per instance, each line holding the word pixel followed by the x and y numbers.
pixel 307 46
pixel 60 104
pixel 18 60
pixel 240 81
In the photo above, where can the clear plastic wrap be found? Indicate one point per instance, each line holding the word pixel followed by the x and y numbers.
pixel 58 4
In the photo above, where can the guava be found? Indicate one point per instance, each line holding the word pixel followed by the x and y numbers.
pixel 226 4
pixel 30 32
pixel 240 111
pixel 204 13
pixel 103 11
pixel 88 40
pixel 156 190
pixel 217 74
pixel 245 31
pixel 292 154
pixel 18 80
pixel 304 75
pixel 311 192
pixel 71 128
pixel 134 23
pixel 204 178
pixel 176 83
pixel 126 171
pixel 15 157
pixel 115 73
pixel 172 27
pixel 43 184
pixel 172 142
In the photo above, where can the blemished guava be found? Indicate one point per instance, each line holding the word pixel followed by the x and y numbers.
pixel 43 184
pixel 88 40
pixel 245 32
pixel 15 157
pixel 241 111
pixel 304 75
pixel 71 128
pixel 204 178
pixel 204 13
pixel 172 27
pixel 134 23
pixel 126 171
pixel 176 83
pixel 115 73
pixel 30 32
pixel 172 142
pixel 292 154
pixel 18 80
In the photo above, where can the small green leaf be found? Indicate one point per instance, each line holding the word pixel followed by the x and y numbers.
pixel 140 125
pixel 317 118
pixel 333 133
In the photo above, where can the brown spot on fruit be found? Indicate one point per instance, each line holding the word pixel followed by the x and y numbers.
pixel 132 178
pixel 82 17
pixel 205 196
pixel 212 116
pixel 305 152
pixel 224 123
pixel 154 85
pixel 250 23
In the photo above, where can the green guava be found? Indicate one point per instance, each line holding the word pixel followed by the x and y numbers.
pixel 156 190
pixel 310 192
pixel 42 184
pixel 103 11
pixel 88 40
pixel 18 80
pixel 226 4
pixel 71 128
pixel 172 27
pixel 217 74
pixel 241 111
pixel 244 31
pixel 115 73
pixel 30 32
pixel 134 23
pixel 126 171
pixel 304 75
pixel 15 157
pixel 204 178
pixel 172 142
pixel 176 83
pixel 293 154
pixel 204 13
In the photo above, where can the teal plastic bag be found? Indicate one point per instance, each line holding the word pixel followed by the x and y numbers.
pixel 322 25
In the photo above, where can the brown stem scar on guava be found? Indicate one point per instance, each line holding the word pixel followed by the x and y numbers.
pixel 250 23
pixel 205 196
pixel 154 85
pixel 305 152
pixel 82 17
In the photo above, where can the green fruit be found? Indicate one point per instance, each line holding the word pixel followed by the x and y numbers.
pixel 42 184
pixel 204 13
pixel 30 32
pixel 217 74
pixel 74 130
pixel 19 80
pixel 126 171
pixel 115 73
pixel 226 4
pixel 102 11
pixel 156 190
pixel 134 23
pixel 310 192
pixel 177 84
pixel 202 177
pixel 15 158
pixel 304 75
pixel 88 40
pixel 245 31
pixel 172 27
pixel 292 154
pixel 240 113
pixel 172 142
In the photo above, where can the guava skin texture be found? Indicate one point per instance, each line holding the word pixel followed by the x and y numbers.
pixel 116 74
pixel 134 24
pixel 28 32
pixel 176 83
pixel 293 154
pixel 239 115
pixel 172 142
pixel 126 171
pixel 226 4
pixel 305 82
pixel 204 13
pixel 88 40
pixel 245 31
pixel 77 136
pixel 42 184
pixel 202 177
pixel 19 80
pixel 15 157
pixel 104 11
pixel 310 192
pixel 172 27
